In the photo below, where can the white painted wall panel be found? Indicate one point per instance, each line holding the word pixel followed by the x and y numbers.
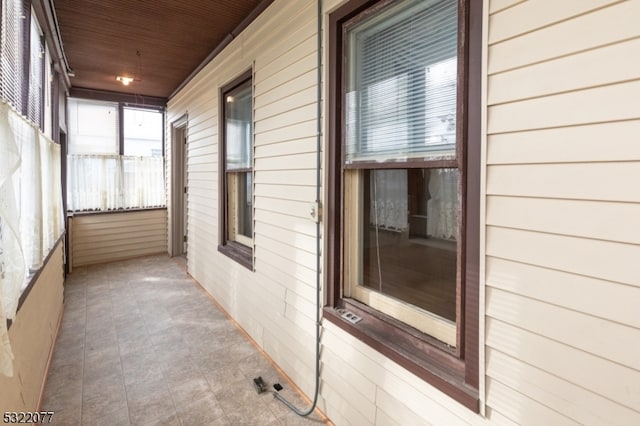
pixel 595 105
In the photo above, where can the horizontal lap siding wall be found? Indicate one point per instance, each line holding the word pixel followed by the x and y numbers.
pixel 275 303
pixel 32 336
pixel 99 238
pixel 563 212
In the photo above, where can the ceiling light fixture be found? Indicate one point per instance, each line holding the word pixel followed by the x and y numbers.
pixel 125 80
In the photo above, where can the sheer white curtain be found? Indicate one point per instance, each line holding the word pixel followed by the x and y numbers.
pixel 389 206
pixel 112 182
pixel 442 208
pixel 12 265
pixel 31 216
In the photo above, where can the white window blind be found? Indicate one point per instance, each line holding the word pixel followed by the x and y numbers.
pixel 238 128
pixel 36 73
pixel 11 53
pixel 401 83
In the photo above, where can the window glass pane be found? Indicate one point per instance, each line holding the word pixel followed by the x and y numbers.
pixel 240 207
pixel 409 222
pixel 93 127
pixel 400 99
pixel 98 177
pixel 142 132
pixel 238 127
pixel 244 200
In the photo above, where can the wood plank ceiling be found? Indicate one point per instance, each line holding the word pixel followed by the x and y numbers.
pixel 157 42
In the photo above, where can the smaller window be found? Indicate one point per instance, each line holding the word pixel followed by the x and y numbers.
pixel 142 132
pixel 93 127
pixel 236 230
pixel 105 175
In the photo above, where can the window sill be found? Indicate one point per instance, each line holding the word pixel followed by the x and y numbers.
pixel 238 252
pixel 97 212
pixel 427 358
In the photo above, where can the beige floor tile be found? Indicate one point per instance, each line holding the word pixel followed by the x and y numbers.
pixel 142 344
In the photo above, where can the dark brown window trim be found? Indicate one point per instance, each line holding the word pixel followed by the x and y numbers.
pixel 147 102
pixel 236 251
pixel 453 371
pixel 409 164
pixel 34 278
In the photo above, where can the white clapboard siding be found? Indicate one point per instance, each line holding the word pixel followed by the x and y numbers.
pixel 274 303
pixel 577 402
pixel 522 410
pixel 606 260
pixel 411 397
pixel 561 156
pixel 498 5
pixel 606 181
pixel 559 288
pixel 285 116
pixel 32 336
pixel 296 90
pixel 304 145
pixel 289 236
pixel 105 237
pixel 275 80
pixel 564 38
pixel 604 65
pixel 589 219
pixel 302 274
pixel 583 143
pixel 563 213
pixel 292 193
pixel 582 331
pixel 535 14
pixel 591 372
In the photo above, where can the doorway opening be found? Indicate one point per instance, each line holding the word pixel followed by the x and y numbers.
pixel 179 188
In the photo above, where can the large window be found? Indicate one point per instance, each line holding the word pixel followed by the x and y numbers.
pixel 22 70
pixel 115 157
pixel 237 170
pixel 31 212
pixel 400 165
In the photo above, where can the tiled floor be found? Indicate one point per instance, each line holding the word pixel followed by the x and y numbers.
pixel 142 344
